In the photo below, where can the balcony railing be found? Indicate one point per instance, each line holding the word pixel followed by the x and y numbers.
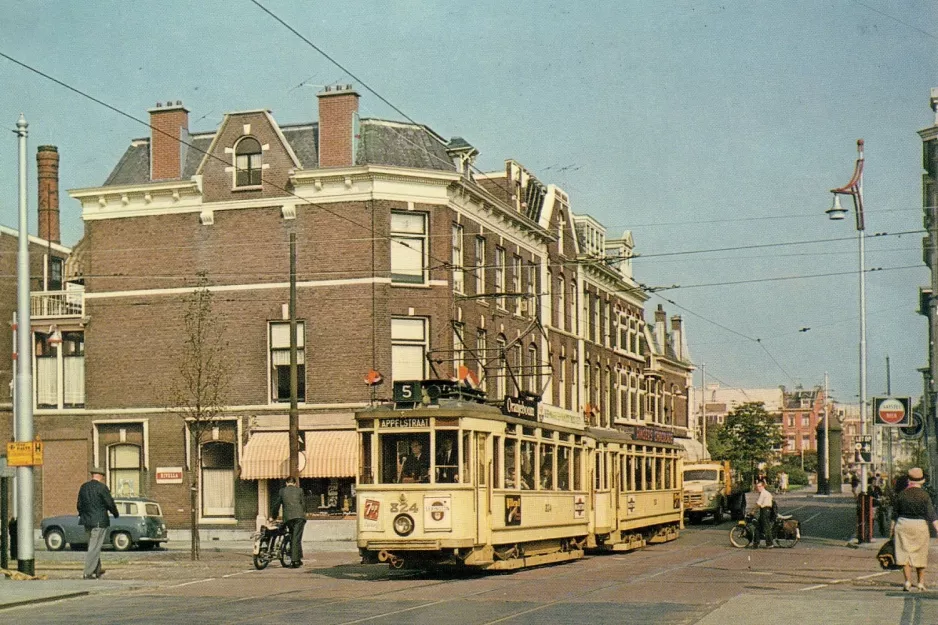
pixel 56 304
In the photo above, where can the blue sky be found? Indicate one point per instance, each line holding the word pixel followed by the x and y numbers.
pixel 696 125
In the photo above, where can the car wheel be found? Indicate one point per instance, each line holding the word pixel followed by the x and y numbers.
pixel 121 541
pixel 55 540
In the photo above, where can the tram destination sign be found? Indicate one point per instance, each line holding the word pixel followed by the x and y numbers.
pixel 523 407
pixel 406 422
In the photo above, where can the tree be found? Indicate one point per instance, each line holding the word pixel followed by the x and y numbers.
pixel 197 393
pixel 750 436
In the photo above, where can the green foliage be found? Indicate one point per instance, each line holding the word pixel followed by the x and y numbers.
pixel 749 437
pixel 796 477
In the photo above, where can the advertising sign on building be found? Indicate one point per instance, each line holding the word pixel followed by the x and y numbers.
pixel 169 475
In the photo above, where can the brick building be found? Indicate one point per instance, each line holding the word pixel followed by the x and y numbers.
pixel 802 411
pixel 409 263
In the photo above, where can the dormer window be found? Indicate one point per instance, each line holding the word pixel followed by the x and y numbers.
pixel 248 163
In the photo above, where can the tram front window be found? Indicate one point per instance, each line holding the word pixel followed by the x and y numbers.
pixel 405 458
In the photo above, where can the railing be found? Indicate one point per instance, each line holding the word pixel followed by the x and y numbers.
pixel 53 304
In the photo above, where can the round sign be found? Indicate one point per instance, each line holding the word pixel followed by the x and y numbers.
pixel 891 411
pixel 914 430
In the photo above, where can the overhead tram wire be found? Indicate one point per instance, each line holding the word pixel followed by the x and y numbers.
pixel 88 96
pixel 354 76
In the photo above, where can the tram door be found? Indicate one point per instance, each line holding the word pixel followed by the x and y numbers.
pixel 602 501
pixel 480 461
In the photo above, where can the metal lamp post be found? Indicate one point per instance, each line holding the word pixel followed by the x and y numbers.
pixel 854 189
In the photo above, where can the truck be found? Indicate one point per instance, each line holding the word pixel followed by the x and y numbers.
pixel 710 489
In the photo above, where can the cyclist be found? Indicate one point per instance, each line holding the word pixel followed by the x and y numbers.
pixel 293 500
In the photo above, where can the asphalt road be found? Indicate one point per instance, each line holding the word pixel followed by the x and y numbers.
pixel 699 578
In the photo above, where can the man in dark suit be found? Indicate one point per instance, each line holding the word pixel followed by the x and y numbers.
pixel 416 466
pixel 293 500
pixel 446 462
pixel 94 503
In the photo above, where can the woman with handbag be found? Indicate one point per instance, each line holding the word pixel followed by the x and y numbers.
pixel 912 515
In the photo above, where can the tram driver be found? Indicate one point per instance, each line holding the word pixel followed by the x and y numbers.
pixel 446 460
pixel 414 467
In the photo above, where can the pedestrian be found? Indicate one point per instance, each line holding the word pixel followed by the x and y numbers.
pixel 94 503
pixel 293 500
pixel 763 510
pixel 854 483
pixel 913 514
pixel 875 489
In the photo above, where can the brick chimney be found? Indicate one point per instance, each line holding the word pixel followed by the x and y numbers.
pixel 660 320
pixel 169 124
pixel 338 112
pixel 677 336
pixel 47 167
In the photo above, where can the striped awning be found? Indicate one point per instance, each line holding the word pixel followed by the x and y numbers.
pixel 332 453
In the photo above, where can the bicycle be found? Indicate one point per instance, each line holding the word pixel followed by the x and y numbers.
pixel 786 531
pixel 272 541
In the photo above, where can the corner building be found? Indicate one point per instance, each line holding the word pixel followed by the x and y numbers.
pixel 409 263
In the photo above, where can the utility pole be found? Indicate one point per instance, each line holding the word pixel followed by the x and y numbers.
pixel 294 390
pixel 703 409
pixel 24 376
pixel 827 436
pixel 888 431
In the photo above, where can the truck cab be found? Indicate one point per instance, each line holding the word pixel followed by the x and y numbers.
pixel 709 490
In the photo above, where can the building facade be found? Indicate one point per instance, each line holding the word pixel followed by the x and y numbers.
pixel 409 263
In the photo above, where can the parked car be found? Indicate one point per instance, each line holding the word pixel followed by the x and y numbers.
pixel 140 524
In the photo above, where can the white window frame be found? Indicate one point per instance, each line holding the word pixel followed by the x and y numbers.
pixel 408 237
pixel 237 165
pixel 409 335
pixel 480 265
pixel 481 346
pixel 458 259
pixel 500 270
pixel 275 345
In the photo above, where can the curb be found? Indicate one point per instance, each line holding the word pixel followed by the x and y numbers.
pixel 22 602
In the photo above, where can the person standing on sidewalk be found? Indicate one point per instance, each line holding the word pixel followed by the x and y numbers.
pixel 764 519
pixel 94 503
pixel 913 513
pixel 293 500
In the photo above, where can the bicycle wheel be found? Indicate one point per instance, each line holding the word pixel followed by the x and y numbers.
pixel 262 557
pixel 740 536
pixel 788 539
pixel 286 553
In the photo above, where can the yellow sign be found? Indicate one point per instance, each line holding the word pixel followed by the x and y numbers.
pixel 26 454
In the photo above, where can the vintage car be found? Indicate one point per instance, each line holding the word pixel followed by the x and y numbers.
pixel 140 523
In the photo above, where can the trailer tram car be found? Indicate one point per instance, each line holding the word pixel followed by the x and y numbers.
pixel 445 479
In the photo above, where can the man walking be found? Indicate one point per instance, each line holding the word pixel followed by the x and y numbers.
pixel 293 500
pixel 94 503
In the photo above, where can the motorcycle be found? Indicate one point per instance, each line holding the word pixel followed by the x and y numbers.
pixel 786 530
pixel 271 542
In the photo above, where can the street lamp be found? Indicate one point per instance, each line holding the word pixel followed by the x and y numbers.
pixel 854 189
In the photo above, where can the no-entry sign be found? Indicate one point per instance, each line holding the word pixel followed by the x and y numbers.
pixel 892 411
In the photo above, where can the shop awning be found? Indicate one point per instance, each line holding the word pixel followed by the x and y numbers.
pixel 692 448
pixel 331 453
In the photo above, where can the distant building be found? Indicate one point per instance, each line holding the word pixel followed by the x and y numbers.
pixel 802 411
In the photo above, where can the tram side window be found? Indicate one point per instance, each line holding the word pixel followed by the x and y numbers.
pixel 366 474
pixel 527 465
pixel 668 472
pixel 447 457
pixel 511 468
pixel 480 457
pixel 629 472
pixel 405 458
pixel 577 469
pixel 649 473
pixel 659 473
pixel 563 468
pixel 639 473
pixel 547 466
pixel 496 461
pixel 466 457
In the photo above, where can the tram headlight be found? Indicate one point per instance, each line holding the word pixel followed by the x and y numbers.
pixel 403 524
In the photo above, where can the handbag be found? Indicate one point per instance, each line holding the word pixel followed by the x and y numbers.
pixel 887 556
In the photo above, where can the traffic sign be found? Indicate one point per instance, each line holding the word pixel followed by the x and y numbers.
pixel 862 449
pixel 892 411
pixel 24 454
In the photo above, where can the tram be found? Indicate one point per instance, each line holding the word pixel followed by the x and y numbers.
pixel 445 479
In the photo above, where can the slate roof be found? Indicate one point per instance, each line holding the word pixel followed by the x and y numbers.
pixel 381 143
